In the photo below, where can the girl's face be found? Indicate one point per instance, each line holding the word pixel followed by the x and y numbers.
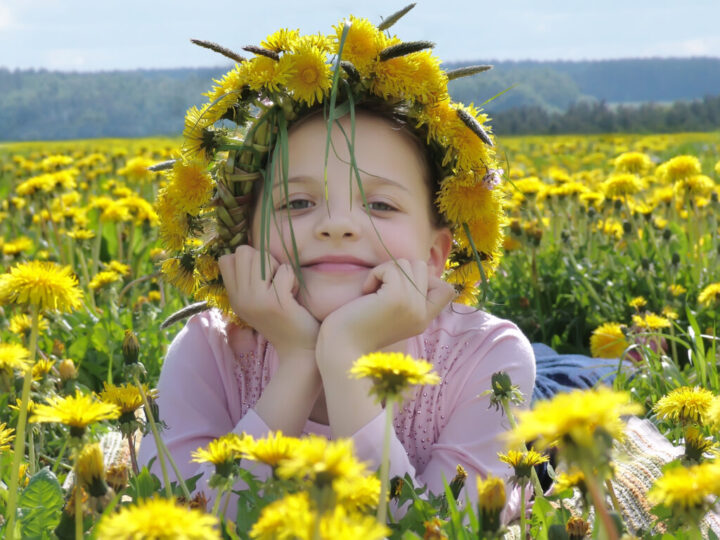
pixel 339 237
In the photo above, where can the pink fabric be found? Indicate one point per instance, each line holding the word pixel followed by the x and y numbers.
pixel 214 374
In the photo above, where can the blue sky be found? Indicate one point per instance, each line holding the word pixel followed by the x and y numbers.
pixel 83 35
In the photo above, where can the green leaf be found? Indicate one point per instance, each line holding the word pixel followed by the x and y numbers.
pixel 144 485
pixel 40 505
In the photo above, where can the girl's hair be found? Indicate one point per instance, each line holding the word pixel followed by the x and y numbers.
pixel 396 115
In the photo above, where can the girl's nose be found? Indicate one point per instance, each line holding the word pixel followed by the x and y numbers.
pixel 337 223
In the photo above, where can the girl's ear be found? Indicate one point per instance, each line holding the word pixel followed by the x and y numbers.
pixel 439 251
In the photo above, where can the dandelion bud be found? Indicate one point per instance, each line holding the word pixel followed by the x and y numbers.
pixel 130 347
pixel 433 530
pixel 67 370
pixel 396 487
pixel 591 212
pixel 118 476
pixel 667 234
pixel 675 258
pixel 491 501
pixel 458 482
pixel 577 528
pixel 714 196
pixel 618 204
pixel 90 470
pixel 627 227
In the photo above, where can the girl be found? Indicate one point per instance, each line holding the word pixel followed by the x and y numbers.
pixel 345 255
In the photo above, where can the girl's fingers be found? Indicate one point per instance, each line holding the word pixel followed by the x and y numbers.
pixel 226 264
pixel 440 293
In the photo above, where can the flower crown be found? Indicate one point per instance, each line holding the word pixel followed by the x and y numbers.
pixel 210 186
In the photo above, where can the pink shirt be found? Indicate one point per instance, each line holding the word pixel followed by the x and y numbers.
pixel 214 374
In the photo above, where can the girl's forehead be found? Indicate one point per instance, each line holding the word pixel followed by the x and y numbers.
pixel 380 146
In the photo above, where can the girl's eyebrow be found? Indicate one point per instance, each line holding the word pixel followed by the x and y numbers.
pixel 367 179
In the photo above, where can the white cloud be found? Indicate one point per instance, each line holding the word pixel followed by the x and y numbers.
pixel 7 19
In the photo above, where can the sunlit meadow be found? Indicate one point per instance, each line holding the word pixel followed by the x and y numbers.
pixel 612 251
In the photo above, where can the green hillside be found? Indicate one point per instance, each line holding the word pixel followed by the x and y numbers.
pixel 41 105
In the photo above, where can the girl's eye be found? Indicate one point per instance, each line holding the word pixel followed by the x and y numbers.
pixel 380 206
pixel 297 204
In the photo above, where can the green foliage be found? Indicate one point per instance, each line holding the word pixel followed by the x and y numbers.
pixel 39 505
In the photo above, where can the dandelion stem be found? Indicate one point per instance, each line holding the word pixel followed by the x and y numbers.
pixel 58 460
pixel 158 441
pixel 599 504
pixel 78 510
pixel 385 463
pixel 19 447
pixel 523 525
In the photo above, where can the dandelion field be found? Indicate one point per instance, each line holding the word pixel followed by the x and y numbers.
pixel 612 250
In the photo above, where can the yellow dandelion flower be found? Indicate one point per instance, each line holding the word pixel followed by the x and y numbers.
pixel 710 295
pixel 694 186
pixel 340 523
pixel 194 182
pixel 491 501
pixel 680 167
pixel 7 435
pixel 359 493
pixel 137 168
pixel 12 357
pixel 650 321
pixel 158 519
pixel 174 225
pixel 199 140
pixel 638 303
pixel 18 245
pixel 472 153
pixel 677 289
pixel 90 470
pixel 394 78
pixel 179 272
pixel 18 405
pixel 270 450
pixel 670 313
pixel 81 234
pixel 430 80
pixel 392 373
pixel 264 72
pixel 622 184
pixel 311 75
pixel 215 294
pixel 154 296
pixel 221 452
pixel 44 183
pixel 633 162
pixel 116 212
pixel 101 279
pixel 569 480
pixel 43 284
pixel 126 397
pixel 321 461
pixel 467 293
pixel 461 199
pixel 685 404
pixel 290 517
pixel 522 462
pixel 687 488
pixel 487 234
pixel 318 41
pixel 282 40
pixel 438 117
pixel 41 368
pixel 76 411
pixel 363 44
pixel 574 418
pixel 697 445
pixel 120 268
pixel 207 268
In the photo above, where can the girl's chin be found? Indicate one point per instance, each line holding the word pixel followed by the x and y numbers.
pixel 322 303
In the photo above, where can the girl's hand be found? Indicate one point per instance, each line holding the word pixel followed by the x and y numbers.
pixel 400 300
pixel 269 304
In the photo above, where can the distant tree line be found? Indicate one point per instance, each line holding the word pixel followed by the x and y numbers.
pixel 522 97
pixel 584 117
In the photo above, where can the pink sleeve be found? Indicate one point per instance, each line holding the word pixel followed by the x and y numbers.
pixel 472 435
pixel 198 400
